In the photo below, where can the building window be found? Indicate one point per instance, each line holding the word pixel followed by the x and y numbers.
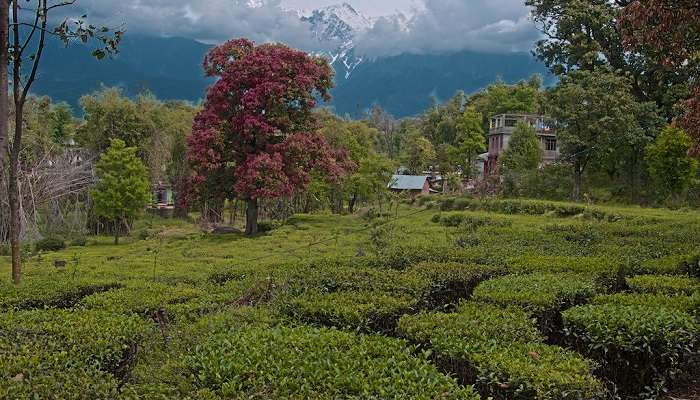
pixel 550 144
pixel 510 123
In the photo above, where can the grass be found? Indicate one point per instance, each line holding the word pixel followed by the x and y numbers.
pixel 393 299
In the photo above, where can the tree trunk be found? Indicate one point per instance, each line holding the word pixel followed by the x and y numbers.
pixel 116 236
pixel 351 203
pixel 251 217
pixel 577 180
pixel 14 200
pixel 4 83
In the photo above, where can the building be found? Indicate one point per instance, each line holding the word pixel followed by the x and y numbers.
pixel 415 184
pixel 501 128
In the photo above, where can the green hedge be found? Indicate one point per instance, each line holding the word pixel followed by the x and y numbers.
pixel 450 282
pixel 528 207
pixel 640 347
pixel 688 304
pixel 140 298
pixel 544 295
pixel 61 354
pixel 691 265
pixel 362 311
pixel 50 244
pixel 48 293
pixel 335 276
pixel 671 285
pixel 500 350
pixel 469 221
pixel 317 363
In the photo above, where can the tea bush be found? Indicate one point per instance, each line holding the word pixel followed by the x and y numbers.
pixel 641 347
pixel 50 293
pixel 61 354
pixel 450 282
pixel 689 304
pixel 500 350
pixel 140 298
pixel 50 244
pixel 664 284
pixel 544 295
pixel 317 363
pixel 362 311
pixel 691 266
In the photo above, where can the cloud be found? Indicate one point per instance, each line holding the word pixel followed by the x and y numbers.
pixel 210 21
pixel 453 25
pixel 432 26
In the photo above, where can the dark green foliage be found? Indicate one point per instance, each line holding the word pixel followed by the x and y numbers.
pixel 641 347
pixel 362 311
pixel 500 350
pixel 544 295
pixel 468 221
pixel 317 363
pixel 670 285
pixel 50 244
pixel 59 354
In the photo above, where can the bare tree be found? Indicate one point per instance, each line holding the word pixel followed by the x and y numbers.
pixel 25 42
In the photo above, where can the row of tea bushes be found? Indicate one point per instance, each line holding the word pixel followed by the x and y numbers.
pixel 144 298
pixel 50 293
pixel 527 207
pixel 500 350
pixel 467 220
pixel 670 285
pixel 372 300
pixel 686 304
pixel 62 354
pixel 306 362
pixel 640 342
pixel 544 296
pixel 363 311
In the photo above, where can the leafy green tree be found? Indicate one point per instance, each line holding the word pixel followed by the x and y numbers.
pixel 62 123
pixel 420 153
pixel 524 152
pixel 122 190
pixel 669 165
pixel 586 35
pixel 470 138
pixel 593 110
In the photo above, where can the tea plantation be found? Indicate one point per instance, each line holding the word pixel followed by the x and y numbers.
pixel 443 299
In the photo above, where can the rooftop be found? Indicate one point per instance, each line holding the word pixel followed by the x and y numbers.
pixel 407 182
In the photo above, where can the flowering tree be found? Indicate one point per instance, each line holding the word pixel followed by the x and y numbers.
pixel 256 135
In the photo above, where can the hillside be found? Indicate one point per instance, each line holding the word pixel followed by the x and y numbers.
pixel 171 69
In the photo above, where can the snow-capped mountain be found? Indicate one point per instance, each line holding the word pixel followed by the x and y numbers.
pixel 337 27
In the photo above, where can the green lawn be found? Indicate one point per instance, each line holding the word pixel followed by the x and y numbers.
pixel 452 299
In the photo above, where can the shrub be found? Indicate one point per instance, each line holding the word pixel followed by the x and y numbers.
pixel 140 298
pixel 50 244
pixel 317 363
pixel 79 242
pixel 544 295
pixel 691 266
pixel 333 276
pixel 663 284
pixel 640 347
pixel 689 304
pixel 450 282
pixel 500 350
pixel 62 354
pixel 50 293
pixel 361 311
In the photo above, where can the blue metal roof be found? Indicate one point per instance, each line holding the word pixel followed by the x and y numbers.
pixel 407 182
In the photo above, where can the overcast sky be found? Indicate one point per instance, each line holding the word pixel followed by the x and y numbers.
pixel 428 26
